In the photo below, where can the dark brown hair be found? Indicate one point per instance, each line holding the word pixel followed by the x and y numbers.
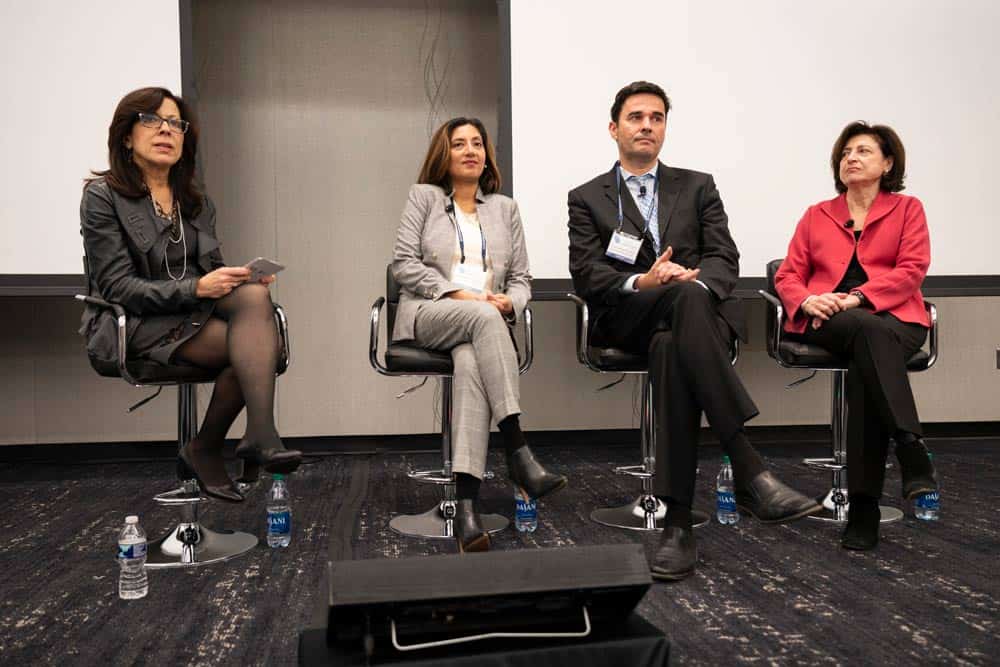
pixel 890 145
pixel 124 177
pixel 438 159
pixel 638 88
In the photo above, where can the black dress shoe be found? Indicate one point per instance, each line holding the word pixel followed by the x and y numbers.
pixel 772 501
pixel 916 469
pixel 274 459
pixel 468 529
pixel 676 555
pixel 526 472
pixel 861 531
pixel 188 467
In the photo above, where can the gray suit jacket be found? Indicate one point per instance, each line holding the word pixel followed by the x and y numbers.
pixel 425 248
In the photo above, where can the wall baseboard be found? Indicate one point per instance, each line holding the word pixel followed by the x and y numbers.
pixel 104 452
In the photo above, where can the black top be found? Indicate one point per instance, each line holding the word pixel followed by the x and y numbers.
pixel 855 275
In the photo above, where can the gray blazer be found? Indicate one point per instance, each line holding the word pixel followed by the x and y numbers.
pixel 425 248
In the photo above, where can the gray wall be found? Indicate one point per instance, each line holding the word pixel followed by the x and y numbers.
pixel 315 121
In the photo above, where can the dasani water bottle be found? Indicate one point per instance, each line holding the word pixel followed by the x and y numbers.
pixel 725 500
pixel 525 511
pixel 132 581
pixel 927 506
pixel 279 514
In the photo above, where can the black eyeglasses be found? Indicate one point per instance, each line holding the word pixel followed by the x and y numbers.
pixel 154 122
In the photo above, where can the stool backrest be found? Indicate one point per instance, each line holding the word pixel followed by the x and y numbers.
pixel 391 299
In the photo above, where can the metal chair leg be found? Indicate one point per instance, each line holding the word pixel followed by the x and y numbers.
pixel 836 502
pixel 438 522
pixel 189 544
pixel 645 512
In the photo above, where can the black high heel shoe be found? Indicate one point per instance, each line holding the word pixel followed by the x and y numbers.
pixel 187 470
pixel 526 472
pixel 274 459
pixel 468 529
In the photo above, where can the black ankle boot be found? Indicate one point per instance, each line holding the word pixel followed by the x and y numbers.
pixel 273 459
pixel 915 468
pixel 468 529
pixel 526 472
pixel 863 517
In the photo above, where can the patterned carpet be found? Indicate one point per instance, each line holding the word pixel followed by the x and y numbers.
pixel 774 595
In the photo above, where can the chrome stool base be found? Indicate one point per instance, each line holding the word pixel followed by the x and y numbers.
pixel 836 512
pixel 433 524
pixel 209 547
pixel 634 515
pixel 190 544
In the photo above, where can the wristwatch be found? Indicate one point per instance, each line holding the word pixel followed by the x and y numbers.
pixel 861 297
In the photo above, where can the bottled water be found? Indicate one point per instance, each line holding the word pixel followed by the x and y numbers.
pixel 132 581
pixel 725 499
pixel 279 514
pixel 525 511
pixel 927 506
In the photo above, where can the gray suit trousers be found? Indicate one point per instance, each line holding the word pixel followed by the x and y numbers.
pixel 486 384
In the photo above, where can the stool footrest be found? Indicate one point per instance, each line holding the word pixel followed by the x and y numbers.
pixel 431 476
pixel 633 471
pixel 180 496
pixel 824 463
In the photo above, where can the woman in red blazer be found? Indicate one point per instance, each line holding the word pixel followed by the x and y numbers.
pixel 851 283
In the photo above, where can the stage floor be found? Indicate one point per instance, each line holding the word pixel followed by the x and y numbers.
pixel 781 595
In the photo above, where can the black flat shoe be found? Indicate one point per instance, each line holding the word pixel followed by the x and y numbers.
pixel 915 468
pixel 676 555
pixel 770 500
pixel 273 459
pixel 468 529
pixel 861 531
pixel 187 470
pixel 526 472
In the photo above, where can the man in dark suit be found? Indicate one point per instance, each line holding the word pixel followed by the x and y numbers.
pixel 651 253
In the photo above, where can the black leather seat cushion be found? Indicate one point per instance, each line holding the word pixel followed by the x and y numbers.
pixel 796 353
pixel 408 358
pixel 615 360
pixel 150 372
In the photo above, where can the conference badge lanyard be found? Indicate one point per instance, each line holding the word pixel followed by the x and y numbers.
pixel 624 246
pixel 465 276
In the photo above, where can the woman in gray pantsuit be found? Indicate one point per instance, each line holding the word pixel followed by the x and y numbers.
pixel 463 269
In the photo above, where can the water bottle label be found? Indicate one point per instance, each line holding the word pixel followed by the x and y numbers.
pixel 279 523
pixel 526 508
pixel 725 501
pixel 931 501
pixel 135 550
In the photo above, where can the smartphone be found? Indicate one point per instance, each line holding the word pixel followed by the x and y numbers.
pixel 261 268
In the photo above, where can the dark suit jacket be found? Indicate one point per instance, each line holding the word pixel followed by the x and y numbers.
pixel 124 244
pixel 691 219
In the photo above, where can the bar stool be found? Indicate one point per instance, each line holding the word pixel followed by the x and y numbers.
pixel 646 512
pixel 188 543
pixel 813 358
pixel 408 359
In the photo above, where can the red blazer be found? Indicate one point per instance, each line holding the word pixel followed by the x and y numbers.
pixel 894 250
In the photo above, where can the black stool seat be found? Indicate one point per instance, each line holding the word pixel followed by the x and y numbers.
pixel 797 353
pixel 153 373
pixel 615 360
pixel 409 358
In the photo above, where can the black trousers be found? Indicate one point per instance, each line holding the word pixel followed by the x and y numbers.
pixel 880 401
pixel 687 344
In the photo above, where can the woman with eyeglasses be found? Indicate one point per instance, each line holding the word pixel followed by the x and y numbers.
pixel 149 237
pixel 461 262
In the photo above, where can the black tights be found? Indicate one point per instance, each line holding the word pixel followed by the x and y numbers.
pixel 242 340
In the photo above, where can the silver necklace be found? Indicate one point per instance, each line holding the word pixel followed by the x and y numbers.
pixel 182 239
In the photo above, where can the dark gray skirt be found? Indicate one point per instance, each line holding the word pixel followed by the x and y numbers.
pixel 158 336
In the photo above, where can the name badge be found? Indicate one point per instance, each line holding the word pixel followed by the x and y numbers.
pixel 624 247
pixel 469 277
